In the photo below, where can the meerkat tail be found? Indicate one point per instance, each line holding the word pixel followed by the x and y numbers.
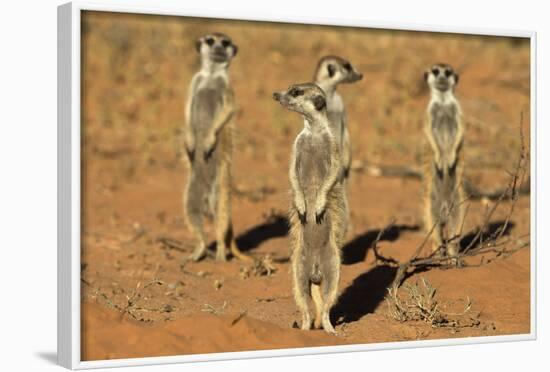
pixel 237 253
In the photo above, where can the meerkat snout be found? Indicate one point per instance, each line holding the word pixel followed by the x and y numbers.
pixel 335 70
pixel 307 99
pixel 352 74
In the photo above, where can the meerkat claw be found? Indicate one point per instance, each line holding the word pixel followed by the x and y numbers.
pixel 191 154
pixel 319 216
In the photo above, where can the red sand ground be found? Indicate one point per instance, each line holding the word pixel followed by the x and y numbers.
pixel 135 75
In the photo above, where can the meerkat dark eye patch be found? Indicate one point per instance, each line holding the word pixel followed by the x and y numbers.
pixel 295 92
pixel 226 43
pixel 209 41
pixel 435 71
pixel 448 72
pixel 347 66
pixel 331 70
pixel 319 102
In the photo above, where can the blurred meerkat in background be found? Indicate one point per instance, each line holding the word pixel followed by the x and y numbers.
pixel 317 214
pixel 208 144
pixel 444 130
pixel 332 71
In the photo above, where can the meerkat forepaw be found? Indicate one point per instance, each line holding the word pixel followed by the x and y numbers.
pixel 189 144
pixel 190 153
pixel 300 206
pixel 209 144
pixel 320 216
pixel 302 217
pixel 207 153
pixel 320 208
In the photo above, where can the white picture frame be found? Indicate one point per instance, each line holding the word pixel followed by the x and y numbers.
pixel 69 197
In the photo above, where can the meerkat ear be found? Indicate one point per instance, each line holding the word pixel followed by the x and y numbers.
pixel 198 45
pixel 331 70
pixel 425 75
pixel 456 78
pixel 319 102
pixel 235 50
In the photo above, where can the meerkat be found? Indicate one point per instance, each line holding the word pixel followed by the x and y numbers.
pixel 208 144
pixel 317 211
pixel 444 131
pixel 330 72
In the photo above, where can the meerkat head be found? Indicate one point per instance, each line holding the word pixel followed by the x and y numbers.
pixel 217 48
pixel 336 70
pixel 441 77
pixel 307 99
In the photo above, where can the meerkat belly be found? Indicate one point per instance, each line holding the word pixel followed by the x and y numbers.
pixel 444 127
pixel 206 104
pixel 314 168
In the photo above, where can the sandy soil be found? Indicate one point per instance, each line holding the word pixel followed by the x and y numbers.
pixel 138 300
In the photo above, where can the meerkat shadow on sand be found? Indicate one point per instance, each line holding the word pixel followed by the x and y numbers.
pixel 363 295
pixel 356 250
pixel 275 227
pixel 471 239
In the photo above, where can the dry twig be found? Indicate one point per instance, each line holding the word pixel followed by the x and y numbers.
pixel 482 243
pixel 420 304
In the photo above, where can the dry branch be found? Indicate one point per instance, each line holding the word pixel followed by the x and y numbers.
pixel 482 243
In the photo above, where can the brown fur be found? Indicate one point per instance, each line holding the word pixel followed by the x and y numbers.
pixel 209 146
pixel 443 165
pixel 317 215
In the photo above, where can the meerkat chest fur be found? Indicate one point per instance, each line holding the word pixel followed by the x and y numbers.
pixel 444 120
pixel 314 160
pixel 207 101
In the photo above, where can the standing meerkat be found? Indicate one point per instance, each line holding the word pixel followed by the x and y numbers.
pixel 208 143
pixel 444 131
pixel 330 72
pixel 317 212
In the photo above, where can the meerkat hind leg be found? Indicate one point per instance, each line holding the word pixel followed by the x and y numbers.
pixel 432 219
pixel 329 292
pixel 224 227
pixel 193 207
pixel 223 215
pixel 318 301
pixel 302 295
pixel 454 230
